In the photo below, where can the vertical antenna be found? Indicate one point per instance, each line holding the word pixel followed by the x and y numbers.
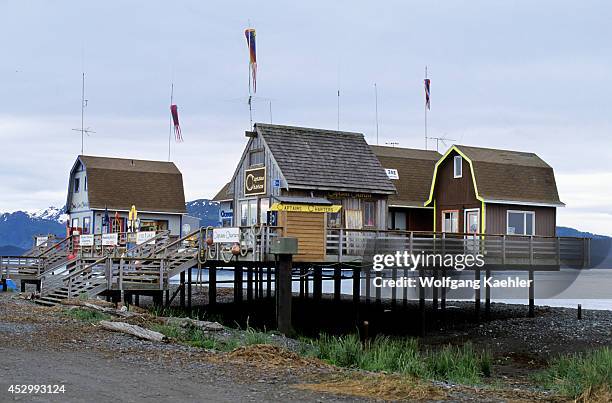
pixel 83 114
pixel 376 100
pixel 170 131
pixel 338 109
pixel 270 104
pixel 83 130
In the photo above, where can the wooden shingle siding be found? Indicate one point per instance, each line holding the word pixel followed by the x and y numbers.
pixel 309 229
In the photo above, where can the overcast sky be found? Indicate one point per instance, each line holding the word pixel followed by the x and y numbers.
pixel 530 76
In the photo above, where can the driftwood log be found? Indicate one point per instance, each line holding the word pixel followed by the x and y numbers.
pixel 188 322
pixel 133 330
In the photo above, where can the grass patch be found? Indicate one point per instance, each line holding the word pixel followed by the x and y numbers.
pixel 86 315
pixel 253 336
pixel 195 337
pixel 384 354
pixel 584 377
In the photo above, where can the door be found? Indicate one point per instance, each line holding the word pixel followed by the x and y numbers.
pixel 472 227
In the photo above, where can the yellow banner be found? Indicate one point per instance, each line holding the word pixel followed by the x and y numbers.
pixel 305 208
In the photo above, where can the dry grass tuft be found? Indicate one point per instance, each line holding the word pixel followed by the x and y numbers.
pixel 378 386
pixel 265 355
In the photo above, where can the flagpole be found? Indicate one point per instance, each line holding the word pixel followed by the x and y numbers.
pixel 170 131
pixel 426 113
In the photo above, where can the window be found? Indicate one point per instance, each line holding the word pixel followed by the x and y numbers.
pixel 334 220
pixel 256 157
pixel 520 223
pixel 458 166
pixel 75 223
pixel 248 212
pixel 86 225
pixel 369 214
pixel 264 207
pixel 85 184
pixel 77 185
pixel 450 221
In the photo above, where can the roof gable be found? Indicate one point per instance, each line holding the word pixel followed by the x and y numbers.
pixel 506 176
pixel 118 183
pixel 325 159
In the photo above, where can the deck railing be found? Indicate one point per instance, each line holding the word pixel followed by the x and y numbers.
pixel 497 250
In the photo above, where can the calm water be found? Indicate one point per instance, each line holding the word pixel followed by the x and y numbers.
pixel 566 288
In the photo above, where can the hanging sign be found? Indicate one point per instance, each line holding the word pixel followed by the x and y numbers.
pixel 227 214
pixel 144 237
pixel 255 181
pixel 110 239
pixel 86 240
pixel 41 240
pixel 305 208
pixel 226 235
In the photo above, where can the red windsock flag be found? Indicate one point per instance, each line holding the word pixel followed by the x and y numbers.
pixel 177 126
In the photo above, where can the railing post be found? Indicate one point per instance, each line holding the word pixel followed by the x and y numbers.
pixel 558 241
pixel 120 273
pixel 503 247
pixel 531 259
pixel 340 244
pixel 411 243
pixel 161 274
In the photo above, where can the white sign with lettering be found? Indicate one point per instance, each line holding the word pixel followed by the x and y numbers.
pixel 392 173
pixel 110 239
pixel 40 240
pixel 144 237
pixel 86 240
pixel 226 235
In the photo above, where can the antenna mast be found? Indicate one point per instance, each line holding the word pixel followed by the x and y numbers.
pixel 83 130
pixel 376 101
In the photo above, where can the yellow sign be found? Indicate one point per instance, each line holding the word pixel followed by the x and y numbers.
pixel 305 208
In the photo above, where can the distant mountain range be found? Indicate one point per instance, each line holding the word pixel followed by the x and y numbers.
pixel 17 229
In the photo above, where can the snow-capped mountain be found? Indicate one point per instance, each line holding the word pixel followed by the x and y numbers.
pixel 52 213
pixel 206 210
pixel 18 228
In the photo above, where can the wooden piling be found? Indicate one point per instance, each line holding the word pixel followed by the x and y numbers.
pixel 283 294
pixel 443 292
pixel 269 282
pixel 422 302
pixel 238 284
pixel 317 286
pixel 302 283
pixel 249 284
pixel 477 295
pixel 434 290
pixel 394 289
pixel 212 285
pixel 337 282
pixel 182 292
pixel 531 293
pixel 189 277
pixel 487 295
pixel 356 284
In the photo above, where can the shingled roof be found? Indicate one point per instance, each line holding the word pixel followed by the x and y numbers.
pixel 223 194
pixel 503 175
pixel 415 169
pixel 325 159
pixel 118 183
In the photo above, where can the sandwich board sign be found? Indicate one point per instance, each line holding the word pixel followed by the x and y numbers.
pixel 110 239
pixel 86 240
pixel 144 237
pixel 226 235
